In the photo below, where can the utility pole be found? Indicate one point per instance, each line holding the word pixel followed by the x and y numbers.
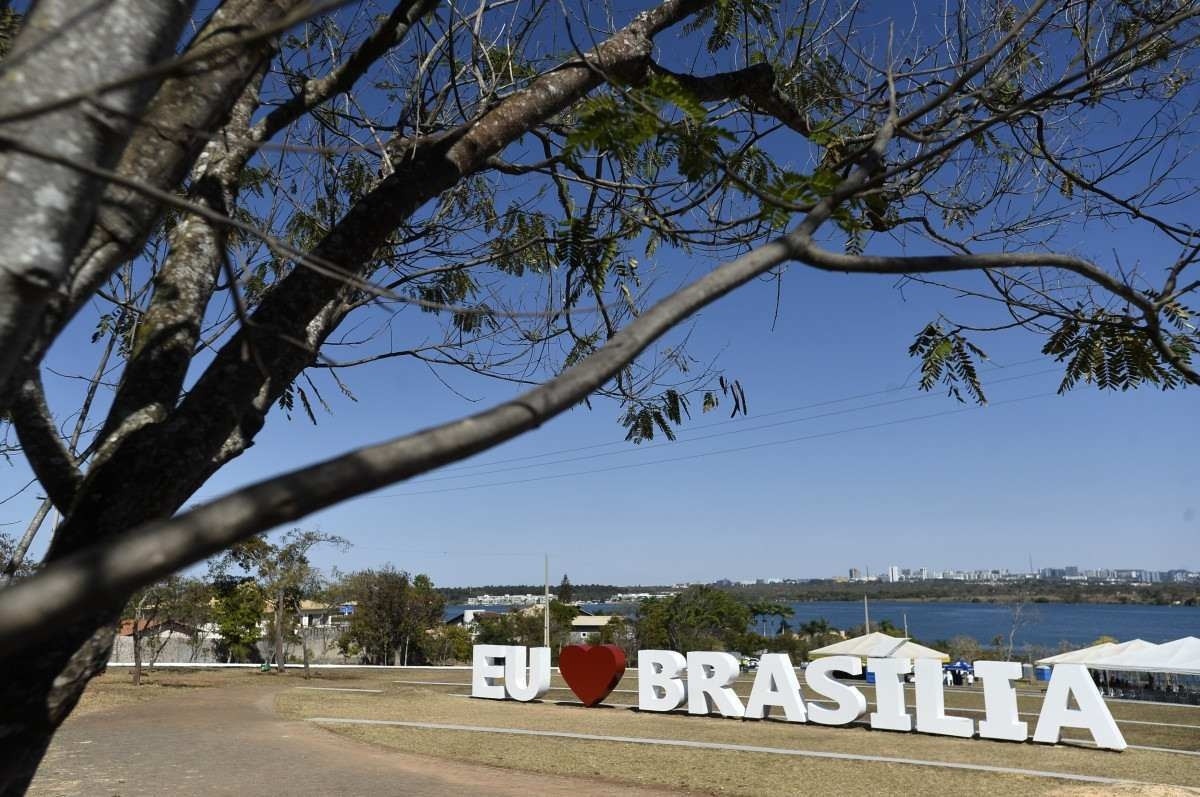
pixel 866 617
pixel 546 608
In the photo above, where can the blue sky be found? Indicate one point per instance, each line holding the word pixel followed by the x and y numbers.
pixel 1090 479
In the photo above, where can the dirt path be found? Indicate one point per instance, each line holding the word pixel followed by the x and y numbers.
pixel 226 741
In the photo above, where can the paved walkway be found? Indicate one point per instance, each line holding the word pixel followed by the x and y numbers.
pixel 229 741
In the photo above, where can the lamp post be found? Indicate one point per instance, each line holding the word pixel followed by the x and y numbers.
pixel 546 606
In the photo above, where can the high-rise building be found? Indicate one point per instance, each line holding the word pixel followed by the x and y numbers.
pixel 893 574
pixel 854 573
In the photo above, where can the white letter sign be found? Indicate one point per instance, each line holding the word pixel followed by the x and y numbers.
pixel 1092 714
pixel 487 670
pixel 850 702
pixel 710 677
pixel 704 681
pixel 660 680
pixel 527 687
pixel 931 704
pixel 492 663
pixel 775 684
pixel 890 713
pixel 1001 720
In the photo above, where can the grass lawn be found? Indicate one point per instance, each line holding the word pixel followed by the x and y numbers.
pixel 697 770
pixel 726 772
pixel 965 702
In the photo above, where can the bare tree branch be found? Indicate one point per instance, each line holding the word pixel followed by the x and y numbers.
pixel 102 573
pixel 42 443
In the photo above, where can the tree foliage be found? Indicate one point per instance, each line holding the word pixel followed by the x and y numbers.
pixel 392 615
pixel 698 618
pixel 566 592
pixel 285 576
pixel 238 612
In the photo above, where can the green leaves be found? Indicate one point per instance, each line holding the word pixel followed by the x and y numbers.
pixel 522 243
pixel 621 123
pixel 696 148
pixel 640 421
pixel 1103 349
pixel 948 358
pixel 607 124
pixel 578 246
pixel 729 18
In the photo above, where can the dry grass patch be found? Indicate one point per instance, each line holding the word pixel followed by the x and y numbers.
pixel 704 771
pixel 114 688
pixel 427 705
pixel 966 703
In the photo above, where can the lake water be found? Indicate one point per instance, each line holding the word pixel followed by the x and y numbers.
pixel 1042 624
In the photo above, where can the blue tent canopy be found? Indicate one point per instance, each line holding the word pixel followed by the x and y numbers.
pixel 960 665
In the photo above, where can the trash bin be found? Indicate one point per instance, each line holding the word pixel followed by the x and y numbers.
pixel 1042 672
pixel 264 667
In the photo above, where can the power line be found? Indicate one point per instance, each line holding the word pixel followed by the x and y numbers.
pixel 738 449
pixel 744 419
pixel 739 430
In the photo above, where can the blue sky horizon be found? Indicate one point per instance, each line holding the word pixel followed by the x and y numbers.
pixel 841 462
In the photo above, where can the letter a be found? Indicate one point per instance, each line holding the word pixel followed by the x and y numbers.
pixel 1092 714
pixel 775 684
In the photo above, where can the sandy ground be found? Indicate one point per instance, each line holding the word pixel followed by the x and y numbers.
pixel 229 740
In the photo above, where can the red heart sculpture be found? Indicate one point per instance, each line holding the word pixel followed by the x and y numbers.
pixel 592 671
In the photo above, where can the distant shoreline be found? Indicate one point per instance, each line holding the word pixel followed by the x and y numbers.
pixel 1034 592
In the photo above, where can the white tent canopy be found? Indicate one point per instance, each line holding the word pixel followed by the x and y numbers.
pixel 1181 657
pixel 880 646
pixel 1096 653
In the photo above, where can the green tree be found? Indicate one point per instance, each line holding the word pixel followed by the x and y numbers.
pixel 238 613
pixel 392 615
pixel 566 593
pixel 495 630
pixel 765 609
pixel 698 618
pixel 285 576
pixel 562 615
pixel 173 603
pixel 525 627
pixel 447 645
pixel 964 647
pixel 816 628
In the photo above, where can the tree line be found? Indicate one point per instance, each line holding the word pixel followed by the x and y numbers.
pixel 256 592
pixel 1039 591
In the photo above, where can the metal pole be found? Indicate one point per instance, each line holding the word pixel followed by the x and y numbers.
pixel 546 610
pixel 866 617
pixel 906 625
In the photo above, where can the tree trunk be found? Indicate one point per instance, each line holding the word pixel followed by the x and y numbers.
pixel 137 655
pixel 38 692
pixel 279 664
pixel 304 647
